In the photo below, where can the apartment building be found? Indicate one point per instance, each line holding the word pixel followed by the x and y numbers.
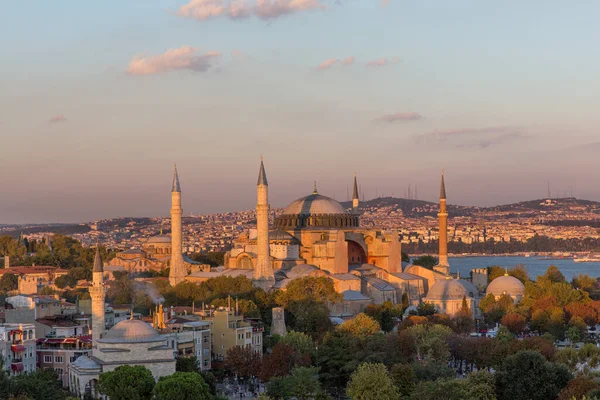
pixel 17 347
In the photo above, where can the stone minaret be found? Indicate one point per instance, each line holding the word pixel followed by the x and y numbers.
pixel 355 196
pixel 443 265
pixel 178 271
pixel 263 271
pixel 98 294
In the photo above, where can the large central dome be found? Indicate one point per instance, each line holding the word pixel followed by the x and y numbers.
pixel 316 211
pixel 314 204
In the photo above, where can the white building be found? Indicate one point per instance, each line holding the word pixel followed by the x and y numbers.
pixel 17 347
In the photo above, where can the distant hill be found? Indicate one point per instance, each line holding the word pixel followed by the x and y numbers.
pixel 419 208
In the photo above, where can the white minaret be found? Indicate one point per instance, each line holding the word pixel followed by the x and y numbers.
pixel 443 265
pixel 178 271
pixel 263 271
pixel 98 294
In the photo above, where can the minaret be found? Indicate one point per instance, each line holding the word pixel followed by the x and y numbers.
pixel 178 271
pixel 355 196
pixel 98 294
pixel 443 265
pixel 263 271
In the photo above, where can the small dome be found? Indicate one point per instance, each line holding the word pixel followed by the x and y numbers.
pixel 159 239
pixel 506 284
pixel 131 331
pixel 314 204
pixel 451 289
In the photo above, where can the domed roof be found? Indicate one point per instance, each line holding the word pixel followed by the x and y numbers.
pixel 131 331
pixel 451 289
pixel 314 204
pixel 159 239
pixel 506 284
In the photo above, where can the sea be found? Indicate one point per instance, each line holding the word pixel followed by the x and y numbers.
pixel 534 265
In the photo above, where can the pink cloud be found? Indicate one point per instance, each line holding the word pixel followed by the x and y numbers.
pixel 185 57
pixel 57 118
pixel 383 61
pixel 328 63
pixel 348 61
pixel 401 116
pixel 238 9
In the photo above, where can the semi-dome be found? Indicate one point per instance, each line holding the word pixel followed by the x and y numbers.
pixel 451 289
pixel 317 211
pixel 314 204
pixel 131 331
pixel 506 285
pixel 159 239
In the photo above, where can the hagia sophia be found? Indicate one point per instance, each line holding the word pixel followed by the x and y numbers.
pixel 316 236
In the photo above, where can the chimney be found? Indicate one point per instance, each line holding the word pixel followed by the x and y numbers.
pixel 6 262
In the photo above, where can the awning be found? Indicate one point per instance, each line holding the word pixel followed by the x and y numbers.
pixel 16 331
pixel 17 348
pixel 40 340
pixel 54 341
pixel 70 340
pixel 18 367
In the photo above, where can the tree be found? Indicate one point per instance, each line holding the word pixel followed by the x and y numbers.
pixel 243 361
pixel 404 378
pixel 552 275
pixel 431 342
pixel 371 382
pixel 578 387
pixel 186 364
pixel 310 317
pixel 318 289
pixel 280 362
pixel 182 386
pixel 425 261
pixel 9 282
pixel 304 383
pixel 361 325
pixel 583 282
pixel 528 376
pixel 481 386
pixel 424 309
pixel 514 322
pixel 127 383
pixel 447 389
pixel 300 342
pixel 43 384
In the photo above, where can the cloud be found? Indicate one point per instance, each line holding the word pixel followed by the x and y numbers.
pixel 202 10
pixel 57 118
pixel 384 3
pixel 383 61
pixel 401 116
pixel 328 63
pixel 185 57
pixel 474 137
pixel 348 61
pixel 333 61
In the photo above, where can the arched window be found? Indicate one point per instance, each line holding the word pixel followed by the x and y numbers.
pixel 245 262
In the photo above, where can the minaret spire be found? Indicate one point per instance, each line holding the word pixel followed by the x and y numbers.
pixel 176 186
pixel 443 188
pixel 355 195
pixel 315 188
pixel 97 260
pixel 178 270
pixel 263 271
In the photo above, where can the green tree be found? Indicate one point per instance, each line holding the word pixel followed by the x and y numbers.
pixel 43 384
pixel 127 383
pixel 186 364
pixel 447 389
pixel 371 382
pixel 182 386
pixel 424 309
pixel 304 383
pixel 425 261
pixel 310 317
pixel 300 342
pixel 481 385
pixel 318 289
pixel 528 376
pixel 9 282
pixel 404 378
